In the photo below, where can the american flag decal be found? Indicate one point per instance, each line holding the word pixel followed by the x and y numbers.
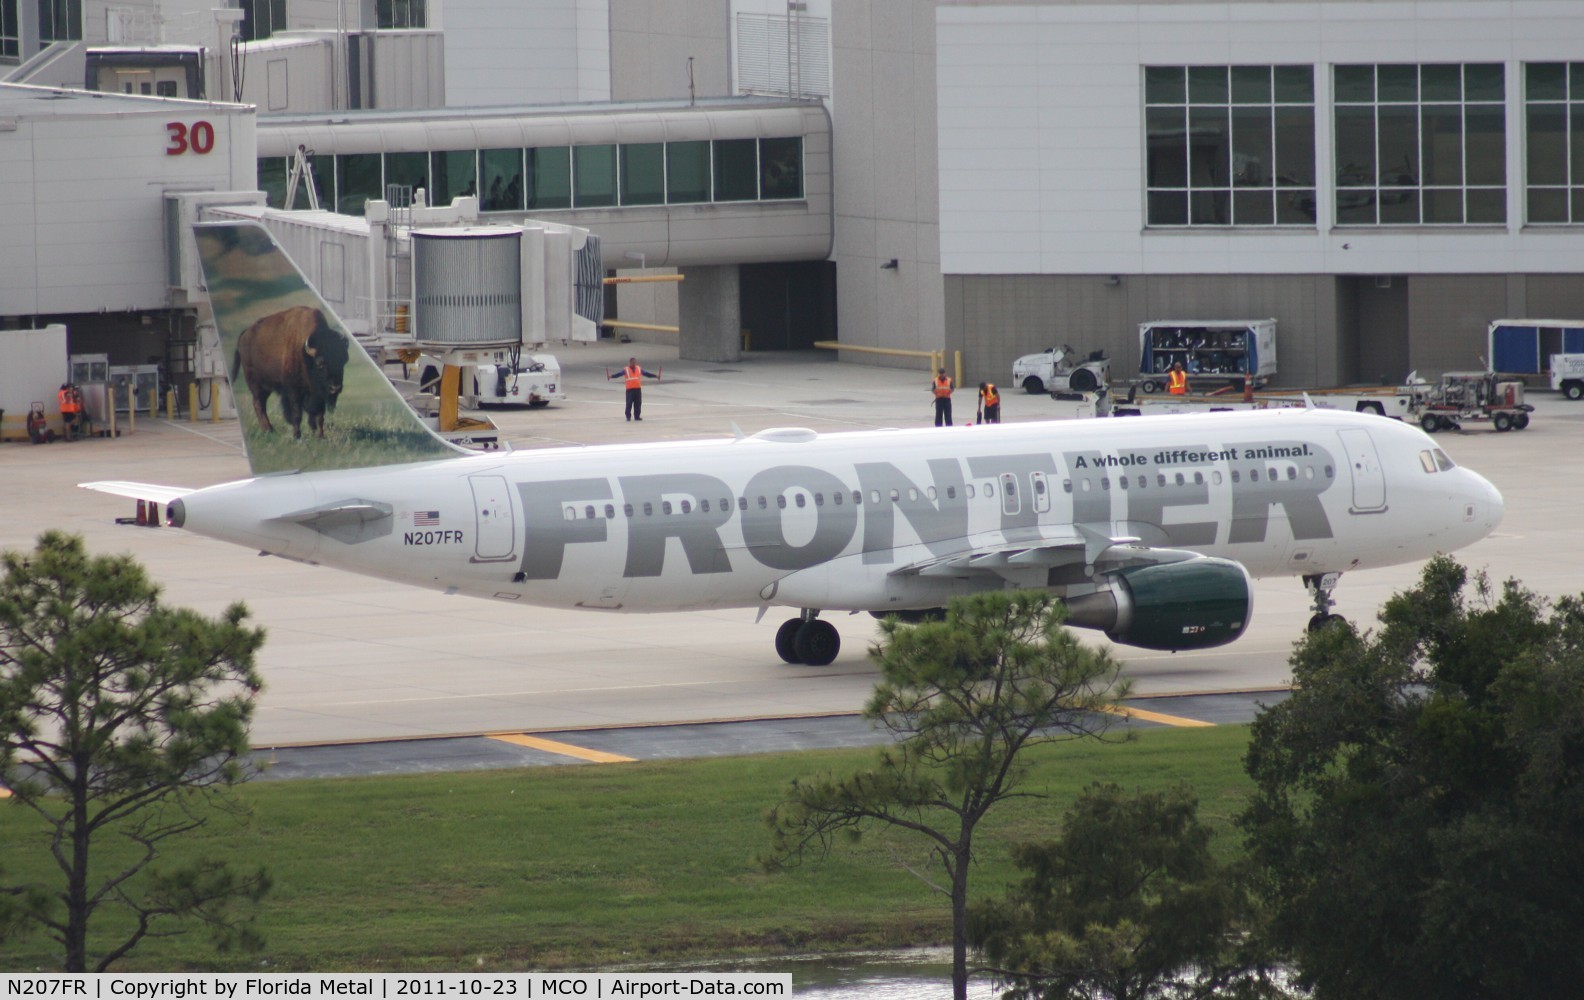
pixel 426 518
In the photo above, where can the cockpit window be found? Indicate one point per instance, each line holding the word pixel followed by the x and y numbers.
pixel 1442 461
pixel 1435 460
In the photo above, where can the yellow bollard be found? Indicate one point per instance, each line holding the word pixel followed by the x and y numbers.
pixel 959 369
pixel 170 404
pixel 214 401
pixel 192 402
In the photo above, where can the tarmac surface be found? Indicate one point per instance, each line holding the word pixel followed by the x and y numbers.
pixel 402 679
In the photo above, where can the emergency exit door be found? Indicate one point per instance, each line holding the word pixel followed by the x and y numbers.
pixel 495 531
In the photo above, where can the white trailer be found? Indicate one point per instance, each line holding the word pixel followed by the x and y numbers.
pixel 1210 351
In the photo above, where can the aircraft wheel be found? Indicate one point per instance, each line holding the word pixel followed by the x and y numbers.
pixel 1430 422
pixel 786 640
pixel 1319 622
pixel 1520 421
pixel 1033 385
pixel 1502 422
pixel 817 643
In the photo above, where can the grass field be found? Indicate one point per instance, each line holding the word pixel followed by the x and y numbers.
pixel 593 866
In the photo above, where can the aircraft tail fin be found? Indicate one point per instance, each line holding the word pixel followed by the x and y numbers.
pixel 308 395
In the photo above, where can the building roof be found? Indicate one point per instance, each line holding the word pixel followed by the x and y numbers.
pixel 24 101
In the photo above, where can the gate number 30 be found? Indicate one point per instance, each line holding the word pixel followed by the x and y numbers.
pixel 197 139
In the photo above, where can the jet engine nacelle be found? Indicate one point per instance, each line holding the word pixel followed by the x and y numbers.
pixel 1193 604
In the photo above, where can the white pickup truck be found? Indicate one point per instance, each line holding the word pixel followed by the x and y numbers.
pixel 1567 375
pixel 1055 371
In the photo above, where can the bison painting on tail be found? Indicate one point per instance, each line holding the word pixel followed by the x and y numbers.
pixel 299 358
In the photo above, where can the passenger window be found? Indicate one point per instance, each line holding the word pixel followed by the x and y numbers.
pixel 1253 475
pixel 819 499
pixel 1160 479
pixel 930 492
pixel 1181 481
pixel 765 504
pixel 802 501
pixel 610 512
pixel 665 507
pixel 1143 482
pixel 1292 472
pixel 896 495
pixel 1198 478
pixel 1122 481
pixel 913 494
pixel 571 513
pixel 858 498
pixel 781 501
pixel 1308 472
pixel 725 504
pixel 1237 477
pixel 989 490
pixel 835 497
pixel 1330 472
pixel 648 509
pixel 951 492
pixel 687 506
pixel 874 496
pixel 1085 485
pixel 627 509
pixel 742 503
pixel 1215 476
pixel 1066 485
pixel 703 506
pixel 969 490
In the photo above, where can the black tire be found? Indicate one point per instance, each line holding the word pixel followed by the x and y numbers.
pixel 1520 421
pixel 1033 385
pixel 1573 390
pixel 1150 386
pixel 817 643
pixel 786 640
pixel 1319 622
pixel 1502 422
pixel 1084 380
pixel 1375 408
pixel 1430 422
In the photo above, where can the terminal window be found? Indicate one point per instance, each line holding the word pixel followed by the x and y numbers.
pixel 10 30
pixel 60 21
pixel 1420 144
pixel 1554 142
pixel 1229 145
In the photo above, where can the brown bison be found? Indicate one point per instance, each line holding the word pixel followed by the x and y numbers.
pixel 296 355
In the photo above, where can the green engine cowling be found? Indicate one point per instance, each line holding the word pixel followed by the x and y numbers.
pixel 1194 604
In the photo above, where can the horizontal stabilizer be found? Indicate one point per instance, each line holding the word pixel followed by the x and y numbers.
pixel 139 491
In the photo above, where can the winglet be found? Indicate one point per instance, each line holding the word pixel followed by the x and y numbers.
pixel 308 396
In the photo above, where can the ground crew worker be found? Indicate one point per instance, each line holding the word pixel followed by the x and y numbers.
pixel 989 403
pixel 634 375
pixel 942 387
pixel 1177 380
pixel 71 407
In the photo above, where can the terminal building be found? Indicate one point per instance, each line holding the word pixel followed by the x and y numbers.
pixel 1384 179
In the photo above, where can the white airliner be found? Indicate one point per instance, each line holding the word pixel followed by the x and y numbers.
pixel 1149 528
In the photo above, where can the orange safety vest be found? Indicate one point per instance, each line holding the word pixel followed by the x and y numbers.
pixel 1177 383
pixel 68 401
pixel 634 376
pixel 990 396
pixel 943 386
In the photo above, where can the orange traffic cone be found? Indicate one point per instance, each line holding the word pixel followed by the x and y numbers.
pixel 142 514
pixel 154 521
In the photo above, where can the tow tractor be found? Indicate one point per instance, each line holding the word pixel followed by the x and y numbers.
pixel 1054 370
pixel 1461 396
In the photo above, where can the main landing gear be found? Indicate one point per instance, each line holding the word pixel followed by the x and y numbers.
pixel 807 639
pixel 1320 587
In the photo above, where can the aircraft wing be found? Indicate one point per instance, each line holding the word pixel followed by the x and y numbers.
pixel 1071 545
pixel 139 491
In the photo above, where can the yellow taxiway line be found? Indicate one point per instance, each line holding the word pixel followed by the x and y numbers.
pixel 564 749
pixel 1145 715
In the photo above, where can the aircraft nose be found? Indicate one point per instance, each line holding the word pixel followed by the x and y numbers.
pixel 1484 506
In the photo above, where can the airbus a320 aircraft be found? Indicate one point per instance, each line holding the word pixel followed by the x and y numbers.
pixel 1149 528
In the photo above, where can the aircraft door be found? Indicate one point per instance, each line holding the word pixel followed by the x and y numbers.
pixel 495 533
pixel 1369 481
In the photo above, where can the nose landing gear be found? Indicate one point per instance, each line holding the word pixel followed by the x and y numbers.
pixel 1320 587
pixel 807 640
